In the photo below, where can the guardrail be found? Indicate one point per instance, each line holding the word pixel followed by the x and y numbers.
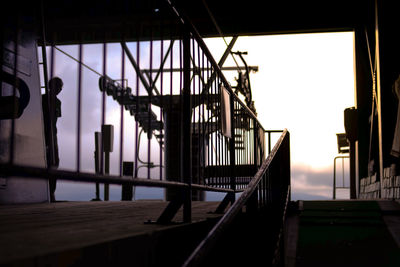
pixel 343 184
pixel 200 134
pixel 270 188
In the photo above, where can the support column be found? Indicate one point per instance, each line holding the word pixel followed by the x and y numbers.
pixel 186 136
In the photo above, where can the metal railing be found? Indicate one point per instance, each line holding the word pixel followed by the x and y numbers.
pixel 178 123
pixel 200 134
pixel 270 188
pixel 343 184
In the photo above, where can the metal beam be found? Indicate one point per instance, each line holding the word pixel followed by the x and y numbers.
pixel 220 63
pixel 136 67
pixel 186 135
pixel 251 68
pixel 43 173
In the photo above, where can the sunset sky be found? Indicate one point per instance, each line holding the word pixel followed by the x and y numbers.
pixel 304 83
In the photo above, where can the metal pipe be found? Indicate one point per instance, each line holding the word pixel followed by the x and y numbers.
pixel 42 173
pixel 103 106
pixel 106 172
pixel 136 67
pixel 161 100
pixel 251 68
pixel 137 104
pixel 334 174
pixel 149 111
pixel 121 144
pixel 186 136
pixel 78 137
pixel 334 179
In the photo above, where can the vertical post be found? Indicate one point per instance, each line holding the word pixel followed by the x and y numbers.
pixel 269 142
pixel 121 142
pixel 97 192
pixel 103 108
pixel 127 189
pixel 106 172
pixel 379 97
pixel 353 194
pixel 186 159
pixel 79 111
pixel 343 171
pixel 256 144
pixel 287 159
pixel 107 133
pixel 334 179
pixel 232 147
pixel 97 158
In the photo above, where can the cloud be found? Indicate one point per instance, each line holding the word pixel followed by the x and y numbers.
pixel 309 183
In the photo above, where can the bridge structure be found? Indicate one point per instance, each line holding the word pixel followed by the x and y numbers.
pixel 193 133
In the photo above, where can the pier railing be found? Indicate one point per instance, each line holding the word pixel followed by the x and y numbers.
pixel 155 110
pixel 269 193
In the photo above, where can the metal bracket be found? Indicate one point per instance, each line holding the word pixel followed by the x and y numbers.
pixel 170 211
pixel 229 198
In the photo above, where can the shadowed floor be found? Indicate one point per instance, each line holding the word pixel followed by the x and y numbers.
pixel 348 233
pixel 33 230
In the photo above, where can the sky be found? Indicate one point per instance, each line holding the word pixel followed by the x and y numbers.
pixel 304 83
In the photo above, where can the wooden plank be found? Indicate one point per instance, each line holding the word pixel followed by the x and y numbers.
pixel 39 229
pixel 291 238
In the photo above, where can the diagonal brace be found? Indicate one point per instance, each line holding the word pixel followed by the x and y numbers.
pixel 229 198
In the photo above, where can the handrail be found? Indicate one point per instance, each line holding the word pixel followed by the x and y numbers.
pixel 207 243
pixel 269 132
pixel 202 157
pixel 43 173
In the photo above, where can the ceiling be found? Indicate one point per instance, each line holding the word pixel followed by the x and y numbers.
pixel 280 16
pixel 74 21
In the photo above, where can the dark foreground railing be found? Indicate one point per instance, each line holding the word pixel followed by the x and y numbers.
pixel 154 105
pixel 190 131
pixel 268 190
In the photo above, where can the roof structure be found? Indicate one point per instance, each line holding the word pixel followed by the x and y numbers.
pixel 102 20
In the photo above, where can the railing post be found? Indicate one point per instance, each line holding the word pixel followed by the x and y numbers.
pixel 186 136
pixel 287 160
pixel 269 142
pixel 334 178
pixel 232 151
pixel 256 144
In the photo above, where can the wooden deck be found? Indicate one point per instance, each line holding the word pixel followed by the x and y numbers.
pixel 32 230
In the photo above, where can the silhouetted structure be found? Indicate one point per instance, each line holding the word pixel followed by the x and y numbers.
pixel 200 135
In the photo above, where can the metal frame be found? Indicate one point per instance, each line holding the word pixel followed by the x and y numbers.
pixel 200 80
pixel 334 175
pixel 204 155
